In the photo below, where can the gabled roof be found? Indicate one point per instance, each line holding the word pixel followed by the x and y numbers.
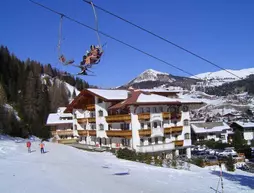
pixel 54 118
pixel 209 127
pixel 244 124
pixel 109 94
pixel 138 97
pixel 160 90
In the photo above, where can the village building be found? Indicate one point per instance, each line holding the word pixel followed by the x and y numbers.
pixel 143 120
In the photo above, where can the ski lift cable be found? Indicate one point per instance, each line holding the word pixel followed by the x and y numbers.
pixel 164 39
pixel 96 24
pixel 117 40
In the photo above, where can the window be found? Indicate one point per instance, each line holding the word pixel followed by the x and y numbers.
pixel 100 113
pixel 161 109
pixel 141 141
pixel 154 109
pixel 93 127
pixel 185 122
pixel 148 109
pixel 149 140
pixel 92 114
pixel 109 126
pixel 155 124
pixel 141 110
pixel 101 127
pixel 100 100
pixel 156 140
pixel 142 125
pixel 186 136
pixel 149 125
pixel 125 126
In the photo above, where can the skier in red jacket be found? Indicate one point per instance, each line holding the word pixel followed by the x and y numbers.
pixel 28 145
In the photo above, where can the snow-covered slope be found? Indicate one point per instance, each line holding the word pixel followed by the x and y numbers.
pixel 69 87
pixel 219 77
pixel 66 169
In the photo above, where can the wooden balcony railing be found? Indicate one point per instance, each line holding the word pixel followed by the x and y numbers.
pixel 118 118
pixel 179 143
pixel 87 132
pixel 144 116
pixel 91 132
pixel 84 120
pixel 174 129
pixel 119 133
pixel 166 115
pixel 67 141
pixel 64 132
pixel 82 132
pixel 90 107
pixel 145 132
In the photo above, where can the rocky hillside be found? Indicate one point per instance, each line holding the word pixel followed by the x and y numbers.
pixel 154 79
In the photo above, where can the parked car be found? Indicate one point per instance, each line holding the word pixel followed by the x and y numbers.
pixel 228 152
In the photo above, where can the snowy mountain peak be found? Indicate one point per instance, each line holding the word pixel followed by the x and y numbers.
pixel 151 75
pixel 154 72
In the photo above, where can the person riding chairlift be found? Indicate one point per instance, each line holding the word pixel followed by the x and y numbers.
pixel 93 56
pixel 63 60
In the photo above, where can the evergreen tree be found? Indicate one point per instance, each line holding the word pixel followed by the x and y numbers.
pixel 230 164
pixel 238 140
pixel 3 98
pixel 34 98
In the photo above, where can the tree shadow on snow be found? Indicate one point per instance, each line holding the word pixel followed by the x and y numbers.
pixel 241 179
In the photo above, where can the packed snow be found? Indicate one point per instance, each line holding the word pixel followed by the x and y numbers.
pixel 66 169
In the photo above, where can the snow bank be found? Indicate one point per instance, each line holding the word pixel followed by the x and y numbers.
pixel 66 169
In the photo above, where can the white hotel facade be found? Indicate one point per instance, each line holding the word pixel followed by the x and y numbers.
pixel 143 120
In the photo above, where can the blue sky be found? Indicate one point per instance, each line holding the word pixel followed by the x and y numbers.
pixel 219 30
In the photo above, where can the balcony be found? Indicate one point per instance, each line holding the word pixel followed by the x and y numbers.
pixel 64 132
pixel 91 132
pixel 145 132
pixel 82 132
pixel 118 118
pixel 67 141
pixel 175 129
pixel 144 116
pixel 119 133
pixel 90 107
pixel 84 120
pixel 178 143
pixel 166 115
